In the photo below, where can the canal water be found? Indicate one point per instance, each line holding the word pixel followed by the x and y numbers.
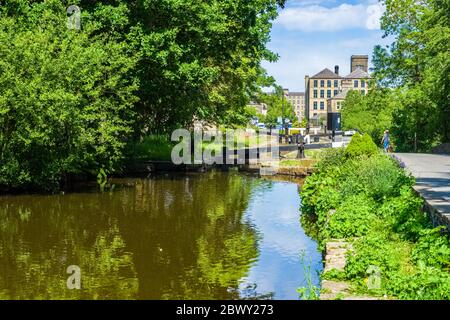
pixel 196 236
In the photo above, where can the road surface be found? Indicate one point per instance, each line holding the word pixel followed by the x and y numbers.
pixel 432 173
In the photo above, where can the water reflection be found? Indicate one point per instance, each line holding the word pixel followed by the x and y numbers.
pixel 207 236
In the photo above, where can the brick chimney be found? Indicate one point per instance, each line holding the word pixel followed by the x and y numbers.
pixel 336 70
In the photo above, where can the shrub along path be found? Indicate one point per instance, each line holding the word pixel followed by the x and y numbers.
pixel 432 173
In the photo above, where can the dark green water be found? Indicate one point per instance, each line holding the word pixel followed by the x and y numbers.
pixel 204 236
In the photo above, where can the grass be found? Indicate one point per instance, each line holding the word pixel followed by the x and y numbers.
pixel 154 148
pixel 313 154
pixel 297 163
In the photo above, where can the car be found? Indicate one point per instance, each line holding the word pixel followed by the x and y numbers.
pixel 261 125
pixel 349 133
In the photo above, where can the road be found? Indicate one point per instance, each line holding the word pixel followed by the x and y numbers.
pixel 432 173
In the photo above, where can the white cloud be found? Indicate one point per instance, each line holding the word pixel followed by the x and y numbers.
pixel 319 18
pixel 300 57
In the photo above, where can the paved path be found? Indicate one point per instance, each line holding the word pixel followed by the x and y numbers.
pixel 432 173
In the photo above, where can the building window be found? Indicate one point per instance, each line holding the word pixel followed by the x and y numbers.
pixel 336 83
pixel 355 84
pixel 363 84
pixel 315 93
pixel 315 105
pixel 328 83
pixel 328 94
pixel 363 92
pixel 315 83
pixel 335 92
pixel 322 105
pixel 322 93
pixel 315 114
pixel 338 105
pixel 322 83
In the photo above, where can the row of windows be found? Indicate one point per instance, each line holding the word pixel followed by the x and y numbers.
pixel 322 105
pixel 356 83
pixel 336 83
pixel 322 83
pixel 322 93
pixel 335 92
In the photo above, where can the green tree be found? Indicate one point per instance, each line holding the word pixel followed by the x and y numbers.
pixel 70 101
pixel 371 113
pixel 418 62
pixel 66 99
pixel 277 107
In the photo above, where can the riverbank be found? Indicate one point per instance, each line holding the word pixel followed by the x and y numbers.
pixel 363 198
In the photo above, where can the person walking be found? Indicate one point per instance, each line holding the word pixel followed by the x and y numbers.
pixel 386 141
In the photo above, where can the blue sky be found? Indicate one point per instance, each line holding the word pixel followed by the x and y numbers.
pixel 310 35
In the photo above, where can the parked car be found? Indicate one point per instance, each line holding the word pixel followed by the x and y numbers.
pixel 349 133
pixel 261 125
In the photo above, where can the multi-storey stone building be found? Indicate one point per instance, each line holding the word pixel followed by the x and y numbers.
pixel 297 99
pixel 325 91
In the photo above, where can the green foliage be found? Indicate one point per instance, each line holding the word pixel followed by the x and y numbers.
pixel 352 218
pixel 418 64
pixel 378 177
pixel 377 248
pixel 414 123
pixel 72 101
pixel 412 73
pixel 371 113
pixel 361 145
pixel 432 249
pixel 425 284
pixel 66 99
pixel 331 159
pixel 277 106
pixel 318 194
pixel 368 200
pixel 153 147
pixel 404 214
pixel 309 291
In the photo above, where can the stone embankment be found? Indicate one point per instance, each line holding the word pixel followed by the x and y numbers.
pixel 335 259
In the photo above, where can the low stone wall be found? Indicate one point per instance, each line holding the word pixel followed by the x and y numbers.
pixel 335 259
pixel 437 218
pixel 295 171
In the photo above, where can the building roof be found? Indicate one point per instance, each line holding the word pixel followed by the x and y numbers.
pixel 326 74
pixel 341 95
pixel 296 93
pixel 358 74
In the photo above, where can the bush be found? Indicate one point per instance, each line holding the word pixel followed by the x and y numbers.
pixel 378 249
pixel 375 204
pixel 361 145
pixel 377 176
pixel 331 159
pixel 66 102
pixel 319 194
pixel 352 218
pixel 425 284
pixel 404 214
pixel 432 249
